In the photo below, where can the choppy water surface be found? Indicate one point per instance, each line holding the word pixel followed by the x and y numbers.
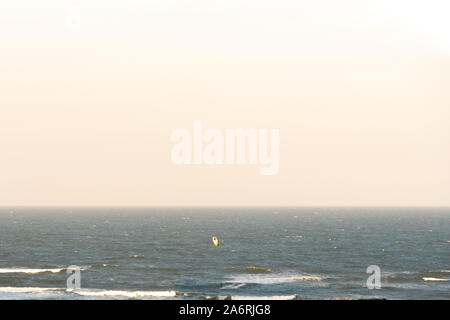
pixel 277 253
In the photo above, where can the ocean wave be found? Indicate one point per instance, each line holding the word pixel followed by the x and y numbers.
pixel 434 279
pixel 313 278
pixel 397 279
pixel 253 269
pixel 439 271
pixel 123 293
pixel 26 270
pixel 288 297
pixel 356 297
pixel 92 292
pixel 37 270
pixel 270 279
pixel 27 289
pixel 233 286
pixel 206 297
pixel 104 265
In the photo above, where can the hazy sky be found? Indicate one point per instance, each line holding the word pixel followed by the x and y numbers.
pixel 359 90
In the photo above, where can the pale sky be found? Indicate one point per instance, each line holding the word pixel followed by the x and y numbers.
pixel 359 90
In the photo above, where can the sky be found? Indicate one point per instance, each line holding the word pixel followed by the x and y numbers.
pixel 91 91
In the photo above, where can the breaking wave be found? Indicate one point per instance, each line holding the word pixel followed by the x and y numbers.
pixel 434 279
pixel 123 293
pixel 27 289
pixel 25 270
pixel 288 297
pixel 233 286
pixel 270 279
pixel 253 269
pixel 92 292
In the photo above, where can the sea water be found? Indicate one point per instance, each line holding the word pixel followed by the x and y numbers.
pixel 263 253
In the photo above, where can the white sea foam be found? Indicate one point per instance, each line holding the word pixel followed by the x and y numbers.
pixel 27 289
pixel 434 279
pixel 270 279
pixel 123 293
pixel 289 297
pixel 233 286
pixel 26 270
pixel 91 292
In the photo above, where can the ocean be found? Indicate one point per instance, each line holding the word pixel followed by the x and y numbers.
pixel 263 253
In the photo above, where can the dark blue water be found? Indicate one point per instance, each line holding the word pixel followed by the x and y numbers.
pixel 278 253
